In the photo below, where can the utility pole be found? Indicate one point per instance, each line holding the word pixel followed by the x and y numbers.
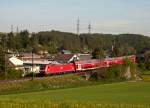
pixel 113 48
pixel 17 30
pixel 4 52
pixel 78 27
pixel 32 65
pixel 5 66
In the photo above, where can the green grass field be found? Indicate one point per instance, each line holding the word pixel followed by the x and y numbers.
pixel 116 95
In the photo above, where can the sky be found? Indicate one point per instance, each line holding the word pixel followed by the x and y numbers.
pixel 105 16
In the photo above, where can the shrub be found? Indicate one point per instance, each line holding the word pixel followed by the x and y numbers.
pixel 114 72
pixel 98 74
pixel 10 73
pixel 142 66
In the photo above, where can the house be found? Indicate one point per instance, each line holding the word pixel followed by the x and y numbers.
pixel 65 52
pixel 83 56
pixel 66 58
pixel 28 62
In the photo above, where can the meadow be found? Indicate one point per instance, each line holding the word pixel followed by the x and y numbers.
pixel 131 94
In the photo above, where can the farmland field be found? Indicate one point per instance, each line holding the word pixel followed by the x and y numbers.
pixel 116 95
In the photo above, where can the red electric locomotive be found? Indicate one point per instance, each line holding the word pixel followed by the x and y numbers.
pixel 57 68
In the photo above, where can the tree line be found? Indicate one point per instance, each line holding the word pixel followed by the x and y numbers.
pixel 54 41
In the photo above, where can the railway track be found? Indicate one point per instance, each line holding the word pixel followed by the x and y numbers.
pixel 39 77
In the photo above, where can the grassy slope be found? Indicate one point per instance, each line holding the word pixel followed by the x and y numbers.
pixel 47 83
pixel 117 93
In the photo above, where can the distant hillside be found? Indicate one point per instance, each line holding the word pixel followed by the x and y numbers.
pixel 2 33
pixel 54 41
pixel 90 41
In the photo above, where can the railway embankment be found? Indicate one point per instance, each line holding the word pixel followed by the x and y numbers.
pixel 46 83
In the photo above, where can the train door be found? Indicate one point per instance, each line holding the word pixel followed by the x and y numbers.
pixel 79 67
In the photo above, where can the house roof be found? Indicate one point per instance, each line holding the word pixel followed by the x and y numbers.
pixel 29 55
pixel 15 61
pixel 63 57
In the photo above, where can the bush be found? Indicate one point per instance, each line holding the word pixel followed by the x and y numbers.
pixel 127 62
pixel 11 74
pixel 128 70
pixel 114 72
pixel 147 59
pixel 142 66
pixel 98 74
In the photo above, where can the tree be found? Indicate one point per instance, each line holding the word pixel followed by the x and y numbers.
pixel 147 59
pixel 2 48
pixel 18 44
pixel 34 42
pixel 10 42
pixel 24 38
pixel 52 47
pixel 98 53
pixel 2 60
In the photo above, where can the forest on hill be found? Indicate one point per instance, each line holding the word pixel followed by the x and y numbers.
pixel 54 41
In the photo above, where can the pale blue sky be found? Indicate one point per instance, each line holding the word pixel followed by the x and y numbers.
pixel 106 16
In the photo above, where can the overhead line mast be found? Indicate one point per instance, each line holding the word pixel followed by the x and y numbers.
pixel 12 28
pixel 89 28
